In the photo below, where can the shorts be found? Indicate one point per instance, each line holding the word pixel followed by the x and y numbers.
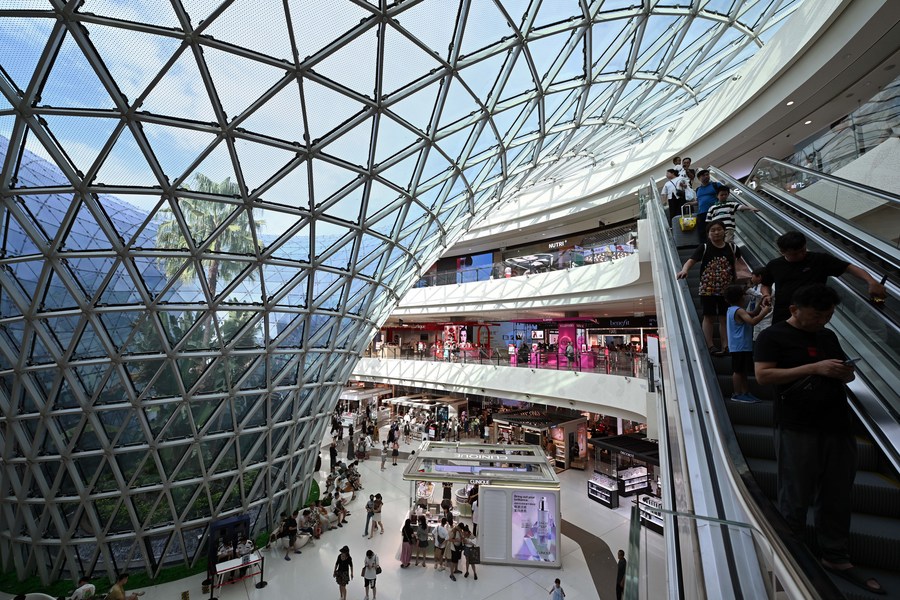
pixel 423 543
pixel 742 362
pixel 713 306
pixel 455 555
pixel 370 583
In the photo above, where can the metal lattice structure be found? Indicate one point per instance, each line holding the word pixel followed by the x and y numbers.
pixel 207 208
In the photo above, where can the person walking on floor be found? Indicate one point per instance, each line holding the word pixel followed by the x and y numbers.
pixel 395 452
pixel 456 549
pixel 370 513
pixel 384 454
pixel 376 516
pixel 620 575
pixel 332 454
pixel 370 571
pixel 343 571
pixel 556 592
pixel 470 550
pixel 441 534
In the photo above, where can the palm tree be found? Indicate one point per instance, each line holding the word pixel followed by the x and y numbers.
pixel 202 218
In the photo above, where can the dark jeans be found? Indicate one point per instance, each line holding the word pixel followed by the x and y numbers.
pixel 817 469
pixel 368 519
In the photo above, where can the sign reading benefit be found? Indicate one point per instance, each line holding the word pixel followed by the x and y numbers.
pixel 535 532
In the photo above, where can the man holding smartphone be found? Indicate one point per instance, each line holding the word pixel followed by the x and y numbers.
pixel 814 442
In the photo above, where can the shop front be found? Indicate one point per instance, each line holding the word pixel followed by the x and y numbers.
pixel 517 491
pixel 627 465
pixel 563 435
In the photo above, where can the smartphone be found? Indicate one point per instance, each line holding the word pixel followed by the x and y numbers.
pixel 852 361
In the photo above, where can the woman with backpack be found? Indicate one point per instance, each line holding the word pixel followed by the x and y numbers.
pixel 717 270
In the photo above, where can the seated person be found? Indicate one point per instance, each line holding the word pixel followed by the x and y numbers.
pixel 277 533
pixel 117 591
pixel 340 510
pixel 307 525
pixel 324 523
pixel 224 551
pixel 85 590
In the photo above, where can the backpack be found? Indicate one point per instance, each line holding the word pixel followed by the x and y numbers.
pixel 718 273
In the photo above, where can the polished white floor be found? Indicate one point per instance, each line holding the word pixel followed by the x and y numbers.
pixel 309 575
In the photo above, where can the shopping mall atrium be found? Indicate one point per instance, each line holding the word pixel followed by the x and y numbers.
pixel 233 231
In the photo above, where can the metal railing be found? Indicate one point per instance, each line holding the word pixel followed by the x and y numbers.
pixel 628 364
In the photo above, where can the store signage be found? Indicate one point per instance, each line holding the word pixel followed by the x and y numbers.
pixel 479 482
pixel 482 456
pixel 627 322
pixel 555 245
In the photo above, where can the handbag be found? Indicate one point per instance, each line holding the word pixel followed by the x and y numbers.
pixel 688 220
pixel 473 555
pixel 378 570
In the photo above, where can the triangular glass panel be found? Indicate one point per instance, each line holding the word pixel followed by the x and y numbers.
pixel 181 93
pixel 227 458
pixel 169 235
pixel 72 81
pixel 421 18
pixel 190 144
pixel 296 247
pixel 380 196
pixel 85 233
pixel 481 76
pixel 217 170
pixel 291 190
pixel 142 372
pixel 326 109
pixel 202 336
pixel 191 369
pixel 249 288
pixel 327 295
pixel 307 21
pixel 63 329
pixel 548 14
pixel 126 165
pixel 345 208
pixel 221 273
pixel 165 385
pixel 119 325
pixel 452 145
pixel 392 138
pixel 401 173
pixel 203 410
pixel 253 336
pixel 203 217
pixel 27 36
pixel 272 224
pixel 177 324
pixel 287 328
pixel 57 295
pixel 89 345
pixel 353 146
pixel 459 103
pixel 434 165
pixel 485 25
pixel 81 138
pixel 231 72
pixel 114 391
pixel 257 378
pixel 154 12
pixel 353 64
pixel 259 162
pixel 120 289
pixel 281 116
pixel 178 426
pixel 229 27
pixel 417 108
pixel 113 422
pixel 520 80
pixel 404 61
pixel 328 179
pixel 15 241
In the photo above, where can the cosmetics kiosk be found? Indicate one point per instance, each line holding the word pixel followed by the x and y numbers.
pixel 354 401
pixel 566 431
pixel 518 497
pixel 627 465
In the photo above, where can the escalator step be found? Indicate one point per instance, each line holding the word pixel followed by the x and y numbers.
pixel 756 441
pixel 761 414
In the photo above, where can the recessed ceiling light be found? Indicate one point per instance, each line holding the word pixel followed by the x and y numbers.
pixel 807 122
pixel 791 103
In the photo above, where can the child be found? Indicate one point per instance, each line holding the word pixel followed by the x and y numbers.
pixel 755 299
pixel 723 211
pixel 556 592
pixel 740 341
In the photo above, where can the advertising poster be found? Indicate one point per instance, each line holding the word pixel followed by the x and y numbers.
pixel 535 532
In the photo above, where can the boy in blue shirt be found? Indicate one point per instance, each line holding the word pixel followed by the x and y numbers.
pixel 740 341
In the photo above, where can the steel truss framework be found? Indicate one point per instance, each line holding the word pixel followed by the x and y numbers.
pixel 209 207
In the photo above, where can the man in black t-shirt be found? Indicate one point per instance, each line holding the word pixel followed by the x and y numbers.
pixel 797 267
pixel 814 442
pixel 290 530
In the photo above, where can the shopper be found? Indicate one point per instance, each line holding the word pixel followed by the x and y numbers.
pixel 384 454
pixel 408 536
pixel 370 513
pixel 456 549
pixel 621 566
pixel 441 535
pixel 370 571
pixel 395 452
pixel 556 592
pixel 740 341
pixel 473 555
pixel 343 571
pixel 474 504
pixel 290 528
pixel 376 517
pixel 422 540
pixel 717 272
pixel 85 590
pixel 117 591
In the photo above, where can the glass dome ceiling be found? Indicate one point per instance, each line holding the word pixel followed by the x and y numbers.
pixel 209 207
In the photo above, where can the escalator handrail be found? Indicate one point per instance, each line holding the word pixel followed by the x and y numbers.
pixel 714 489
pixel 860 187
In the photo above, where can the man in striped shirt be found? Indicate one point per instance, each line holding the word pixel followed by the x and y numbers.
pixel 723 211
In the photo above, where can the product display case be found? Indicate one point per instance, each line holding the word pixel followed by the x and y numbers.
pixel 651 518
pixel 604 490
pixel 632 481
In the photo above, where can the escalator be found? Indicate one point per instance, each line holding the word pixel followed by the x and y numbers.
pixel 866 331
